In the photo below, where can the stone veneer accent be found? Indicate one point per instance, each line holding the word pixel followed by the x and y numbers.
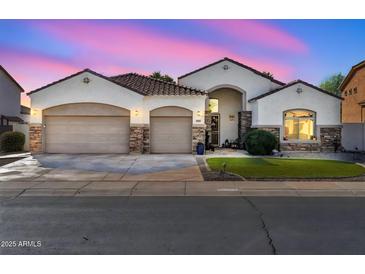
pixel 136 139
pixel 198 136
pixel 329 136
pixel 244 122
pixel 273 130
pixel 35 138
pixel 146 140
pixel 208 120
pixel 312 147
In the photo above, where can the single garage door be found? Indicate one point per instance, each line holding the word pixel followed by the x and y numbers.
pixel 171 130
pixel 75 130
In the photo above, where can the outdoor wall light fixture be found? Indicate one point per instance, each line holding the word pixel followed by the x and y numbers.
pixel 136 113
pixel 299 90
pixel 225 67
pixel 34 112
pixel 86 80
pixel 199 113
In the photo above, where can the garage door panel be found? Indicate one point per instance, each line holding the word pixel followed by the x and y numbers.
pixel 171 134
pixel 84 148
pixel 78 134
pixel 80 138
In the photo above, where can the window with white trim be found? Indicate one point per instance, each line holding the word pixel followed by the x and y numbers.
pixel 299 125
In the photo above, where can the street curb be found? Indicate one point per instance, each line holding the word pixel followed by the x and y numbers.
pixel 219 192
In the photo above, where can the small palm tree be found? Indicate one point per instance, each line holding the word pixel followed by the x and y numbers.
pixel 269 74
pixel 159 76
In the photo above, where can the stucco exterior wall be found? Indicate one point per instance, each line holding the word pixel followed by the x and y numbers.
pixel 229 104
pixel 10 96
pixel 192 102
pixel 351 109
pixel 73 90
pixel 215 76
pixel 353 136
pixel 99 90
pixel 23 128
pixel 269 109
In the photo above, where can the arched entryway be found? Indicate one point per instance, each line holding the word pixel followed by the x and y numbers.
pixel 86 128
pixel 171 130
pixel 223 105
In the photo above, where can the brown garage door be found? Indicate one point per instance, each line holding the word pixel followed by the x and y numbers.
pixel 73 129
pixel 87 134
pixel 171 134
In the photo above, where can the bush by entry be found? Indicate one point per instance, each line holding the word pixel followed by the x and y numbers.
pixel 260 142
pixel 286 168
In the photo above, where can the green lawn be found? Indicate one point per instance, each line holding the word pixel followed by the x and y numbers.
pixel 286 168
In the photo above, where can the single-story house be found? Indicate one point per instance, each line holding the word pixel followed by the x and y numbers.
pixel 90 113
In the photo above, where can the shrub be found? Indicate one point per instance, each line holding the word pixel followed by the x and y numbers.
pixel 12 141
pixel 260 142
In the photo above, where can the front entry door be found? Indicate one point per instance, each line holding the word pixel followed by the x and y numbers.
pixel 215 129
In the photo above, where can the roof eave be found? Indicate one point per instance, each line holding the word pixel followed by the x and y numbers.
pixel 12 78
pixel 292 84
pixel 351 73
pixel 236 63
pixel 78 73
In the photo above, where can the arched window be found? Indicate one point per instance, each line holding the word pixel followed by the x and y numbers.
pixel 299 125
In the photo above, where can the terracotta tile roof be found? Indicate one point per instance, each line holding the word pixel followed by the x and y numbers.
pixel 291 84
pixel 73 75
pixel 138 83
pixel 150 86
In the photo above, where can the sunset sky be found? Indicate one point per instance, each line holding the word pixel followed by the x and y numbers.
pixel 37 52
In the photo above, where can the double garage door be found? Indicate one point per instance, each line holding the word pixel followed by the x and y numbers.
pixel 92 134
pixel 86 128
pixel 98 128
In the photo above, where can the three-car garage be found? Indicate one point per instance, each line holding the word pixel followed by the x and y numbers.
pixel 129 113
pixel 101 128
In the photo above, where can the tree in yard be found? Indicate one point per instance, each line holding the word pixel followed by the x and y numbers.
pixel 332 83
pixel 159 76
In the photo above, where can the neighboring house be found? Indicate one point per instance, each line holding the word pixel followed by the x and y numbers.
pixel 353 108
pixel 10 92
pixel 90 113
pixel 13 116
pixel 25 114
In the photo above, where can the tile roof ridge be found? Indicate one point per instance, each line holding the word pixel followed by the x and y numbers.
pixel 161 81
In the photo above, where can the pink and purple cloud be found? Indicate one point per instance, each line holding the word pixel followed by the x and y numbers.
pixel 118 46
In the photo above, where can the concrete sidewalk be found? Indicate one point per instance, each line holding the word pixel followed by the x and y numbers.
pixel 182 188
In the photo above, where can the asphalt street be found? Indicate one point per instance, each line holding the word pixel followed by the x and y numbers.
pixel 182 225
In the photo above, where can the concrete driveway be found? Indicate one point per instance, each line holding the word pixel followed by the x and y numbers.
pixel 103 167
